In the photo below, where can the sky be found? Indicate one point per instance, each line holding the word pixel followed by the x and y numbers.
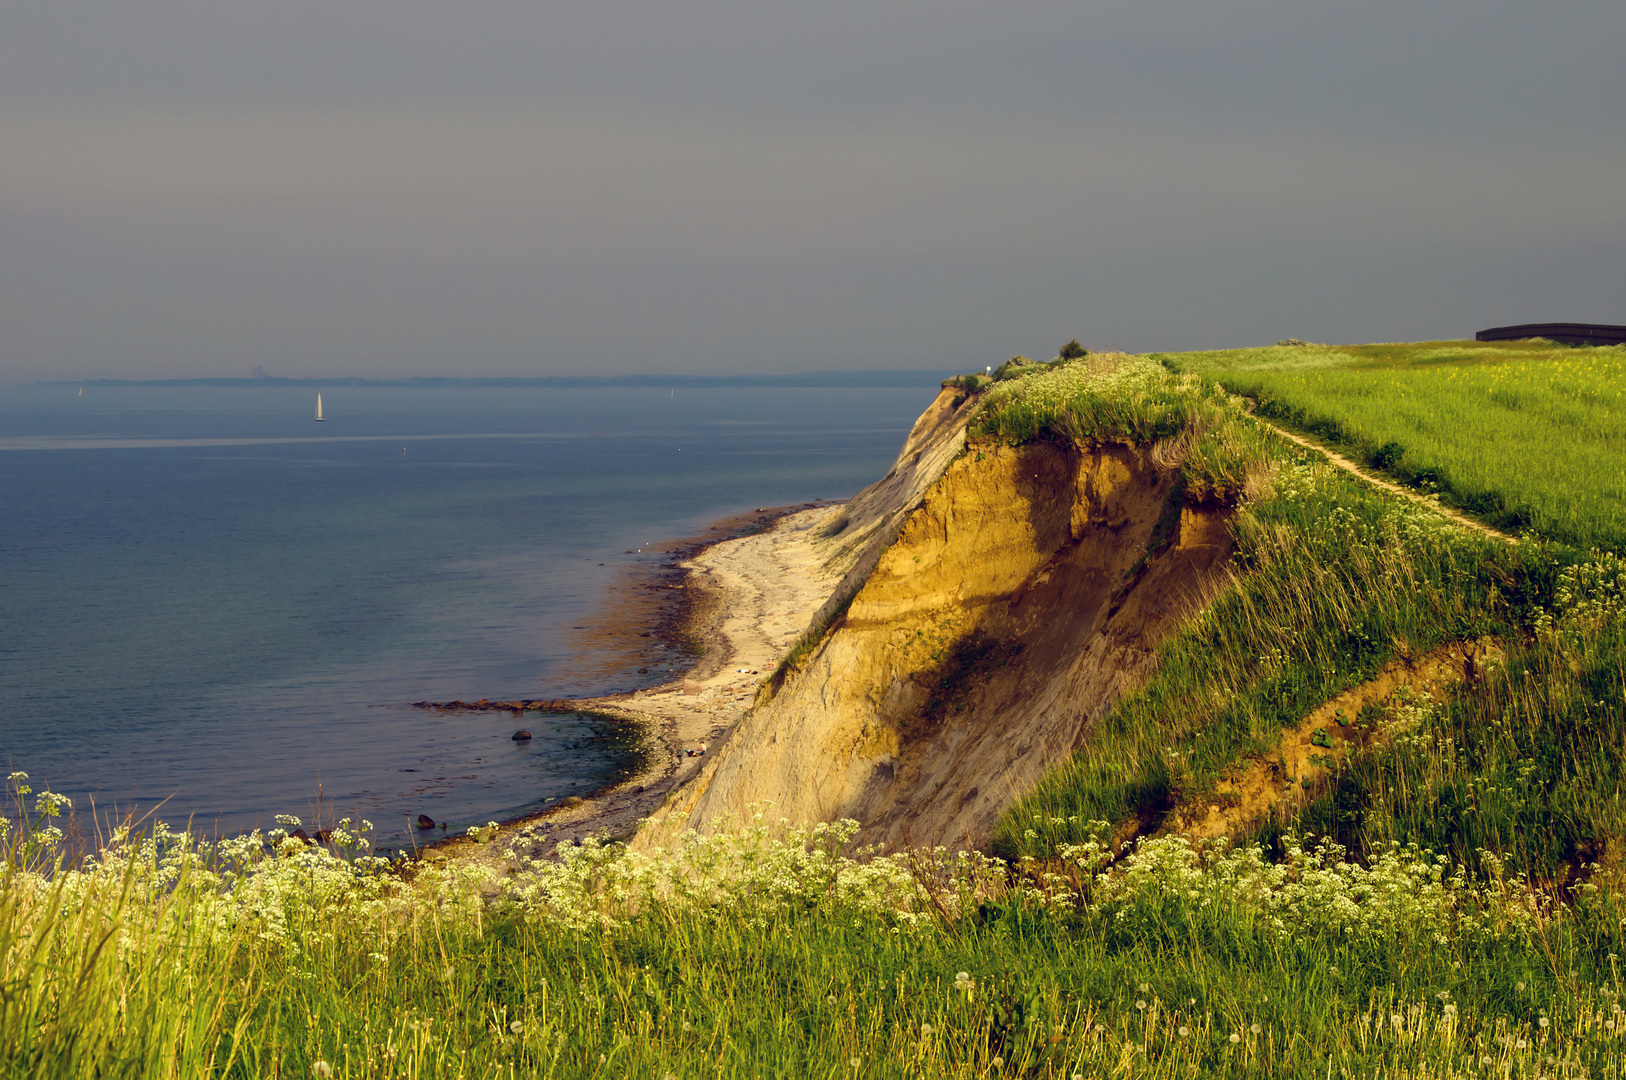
pixel 605 187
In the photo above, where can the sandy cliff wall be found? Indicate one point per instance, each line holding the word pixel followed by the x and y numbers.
pixel 854 538
pixel 1022 595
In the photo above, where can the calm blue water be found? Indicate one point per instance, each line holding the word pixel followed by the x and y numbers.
pixel 207 598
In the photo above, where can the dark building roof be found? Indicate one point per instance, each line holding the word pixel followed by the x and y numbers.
pixel 1568 333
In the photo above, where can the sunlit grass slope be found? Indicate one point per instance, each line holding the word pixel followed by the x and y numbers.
pixel 1334 580
pixel 1526 434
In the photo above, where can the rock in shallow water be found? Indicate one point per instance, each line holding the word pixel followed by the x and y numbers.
pixel 522 735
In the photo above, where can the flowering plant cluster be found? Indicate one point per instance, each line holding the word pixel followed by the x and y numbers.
pixel 1316 891
pixel 755 873
pixel 1589 598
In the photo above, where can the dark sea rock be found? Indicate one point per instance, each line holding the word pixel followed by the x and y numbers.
pixel 522 735
pixel 425 821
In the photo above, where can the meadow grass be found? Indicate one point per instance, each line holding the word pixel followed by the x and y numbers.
pixel 761 951
pixel 1334 579
pixel 1526 435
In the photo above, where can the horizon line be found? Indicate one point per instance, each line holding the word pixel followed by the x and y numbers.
pixel 877 377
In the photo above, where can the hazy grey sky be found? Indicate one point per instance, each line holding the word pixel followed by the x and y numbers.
pixel 404 188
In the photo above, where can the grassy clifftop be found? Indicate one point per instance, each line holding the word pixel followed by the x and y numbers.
pixel 1525 434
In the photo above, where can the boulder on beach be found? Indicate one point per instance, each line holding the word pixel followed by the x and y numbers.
pixel 691 688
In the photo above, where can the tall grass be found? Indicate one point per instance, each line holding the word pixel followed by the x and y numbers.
pixel 1525 762
pixel 1333 580
pixel 762 951
pixel 1527 435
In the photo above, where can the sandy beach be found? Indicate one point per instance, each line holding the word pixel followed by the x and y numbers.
pixel 752 596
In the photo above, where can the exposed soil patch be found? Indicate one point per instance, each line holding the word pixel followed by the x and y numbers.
pixel 1281 784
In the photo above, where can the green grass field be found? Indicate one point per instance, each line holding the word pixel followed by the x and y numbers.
pixel 1443 900
pixel 1524 434
pixel 761 952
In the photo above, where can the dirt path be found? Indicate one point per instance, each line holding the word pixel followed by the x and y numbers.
pixel 1306 759
pixel 1433 503
pixel 761 591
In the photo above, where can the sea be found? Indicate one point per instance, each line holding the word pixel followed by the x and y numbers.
pixel 214 610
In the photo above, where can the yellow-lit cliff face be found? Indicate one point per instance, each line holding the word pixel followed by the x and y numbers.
pixel 1023 594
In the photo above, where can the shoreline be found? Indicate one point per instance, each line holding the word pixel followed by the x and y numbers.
pixel 747 597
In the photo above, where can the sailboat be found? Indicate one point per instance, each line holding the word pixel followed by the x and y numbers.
pixel 318 408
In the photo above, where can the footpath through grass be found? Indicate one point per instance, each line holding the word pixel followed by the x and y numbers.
pixel 1524 434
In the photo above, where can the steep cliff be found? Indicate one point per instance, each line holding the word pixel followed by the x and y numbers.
pixel 1024 589
pixel 852 541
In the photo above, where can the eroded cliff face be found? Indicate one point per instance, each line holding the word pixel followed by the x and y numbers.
pixel 1022 596
pixel 852 541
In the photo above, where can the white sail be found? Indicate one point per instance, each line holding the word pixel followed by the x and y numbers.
pixel 318 408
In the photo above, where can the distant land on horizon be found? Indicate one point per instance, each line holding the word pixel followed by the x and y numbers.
pixel 836 379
